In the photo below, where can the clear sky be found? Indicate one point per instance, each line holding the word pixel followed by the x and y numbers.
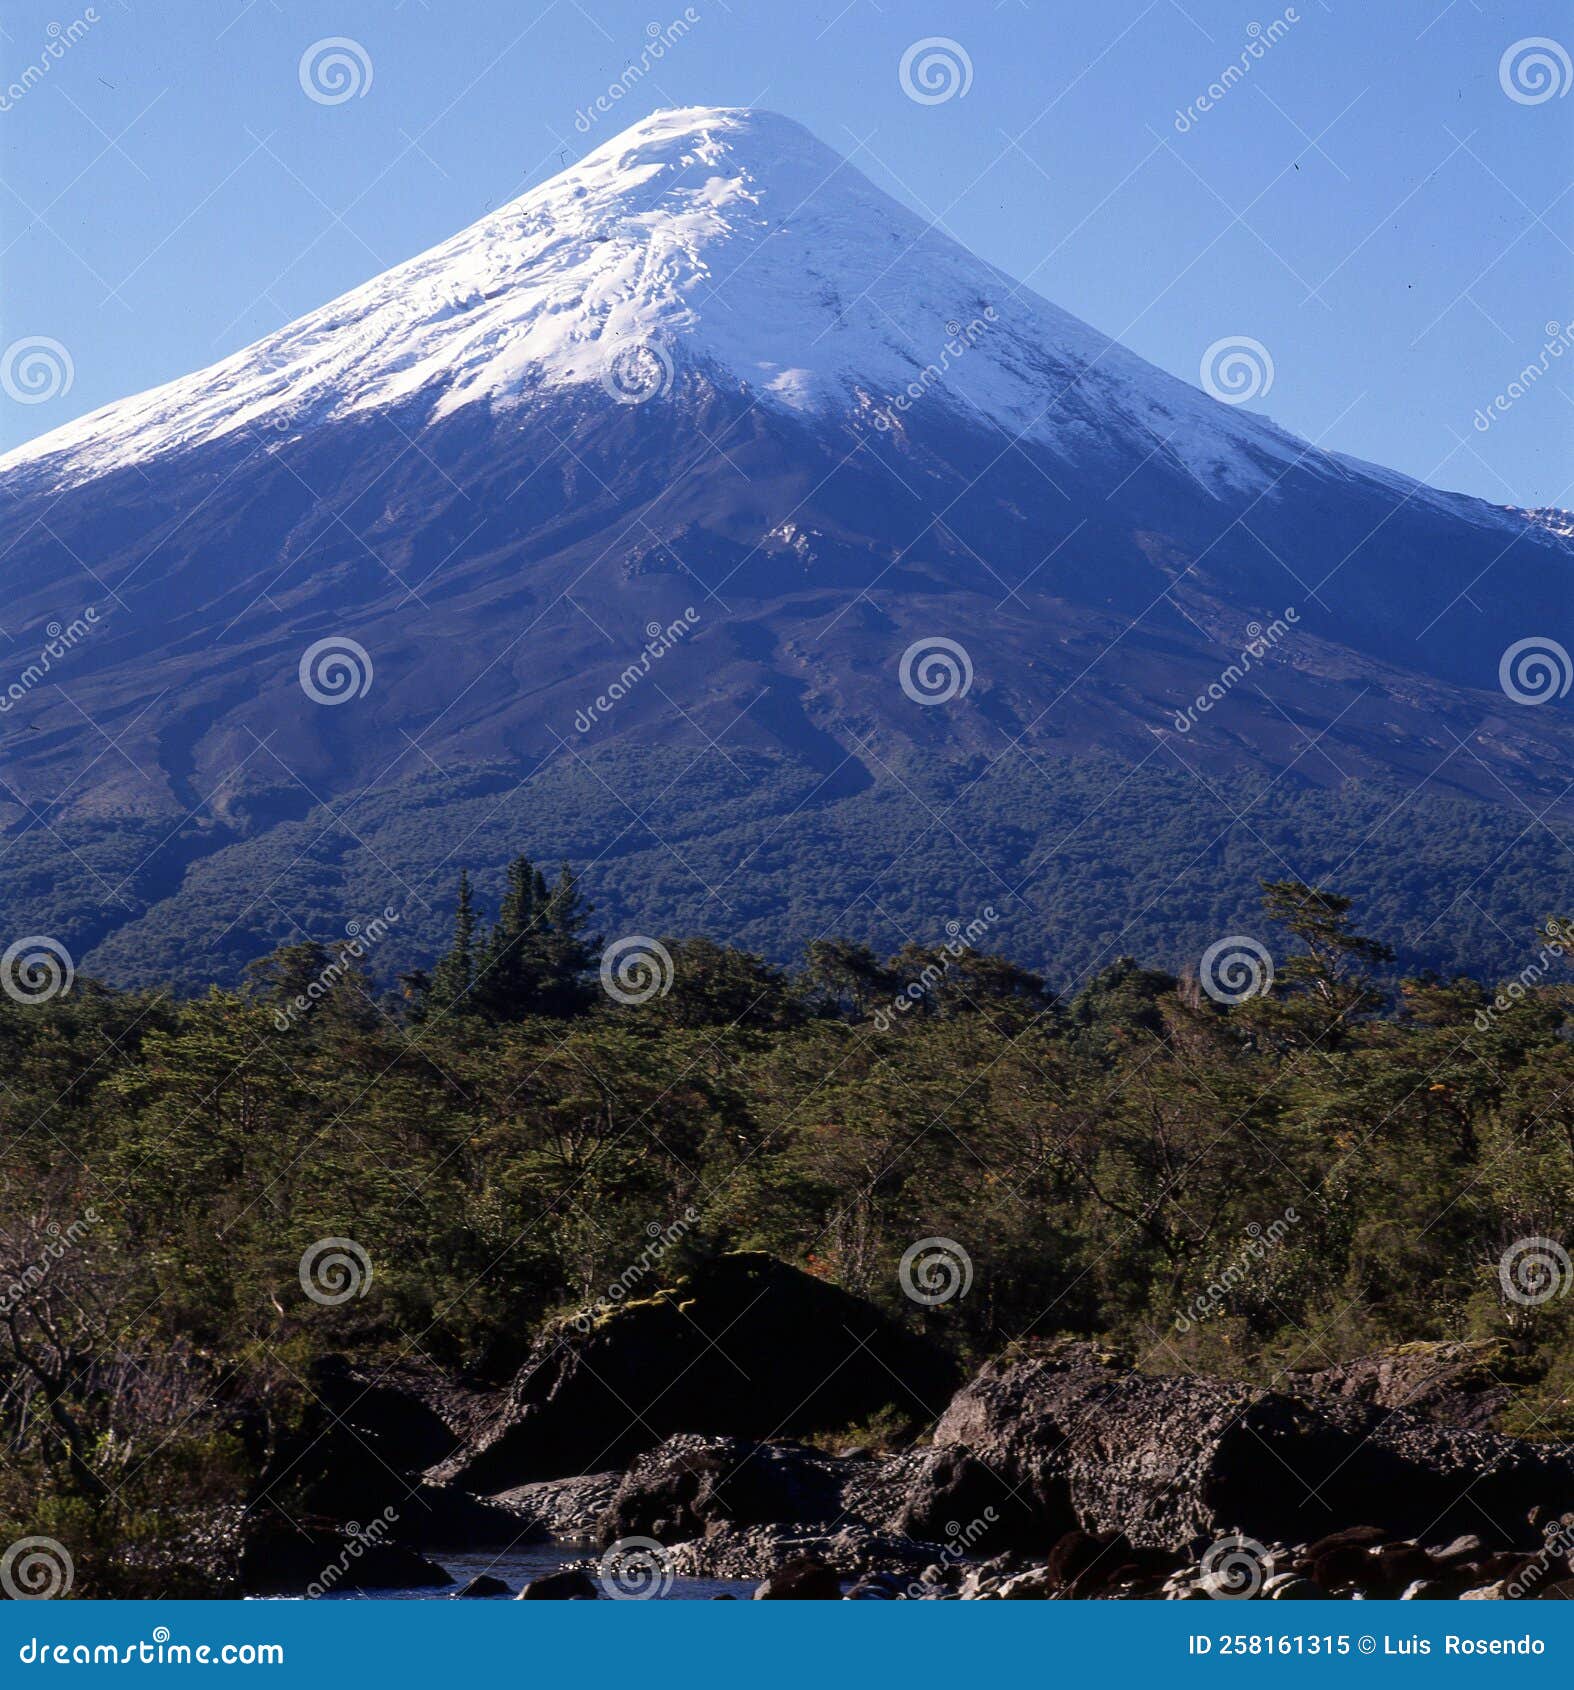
pixel 1367 200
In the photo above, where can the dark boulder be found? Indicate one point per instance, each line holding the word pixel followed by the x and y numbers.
pixel 483 1584
pixel 360 1450
pixel 953 1497
pixel 676 1490
pixel 1082 1563
pixel 803 1579
pixel 280 1557
pixel 571 1584
pixel 744 1346
pixel 1176 1460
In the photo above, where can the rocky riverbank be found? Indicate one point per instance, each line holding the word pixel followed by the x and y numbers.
pixel 685 1437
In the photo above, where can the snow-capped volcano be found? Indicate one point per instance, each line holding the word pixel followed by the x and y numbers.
pixel 712 379
pixel 722 241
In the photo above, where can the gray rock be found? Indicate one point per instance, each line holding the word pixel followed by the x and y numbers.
pixel 1175 1460
pixel 1291 1587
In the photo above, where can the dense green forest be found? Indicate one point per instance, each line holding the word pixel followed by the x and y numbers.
pixel 1329 1164
pixel 1085 859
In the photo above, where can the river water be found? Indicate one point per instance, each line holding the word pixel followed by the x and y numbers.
pixel 516 1567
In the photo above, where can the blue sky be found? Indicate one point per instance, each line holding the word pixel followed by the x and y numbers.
pixel 1366 200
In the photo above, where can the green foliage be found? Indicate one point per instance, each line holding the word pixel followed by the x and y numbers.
pixel 1207 1186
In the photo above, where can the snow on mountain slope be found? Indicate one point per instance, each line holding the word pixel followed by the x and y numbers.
pixel 735 244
